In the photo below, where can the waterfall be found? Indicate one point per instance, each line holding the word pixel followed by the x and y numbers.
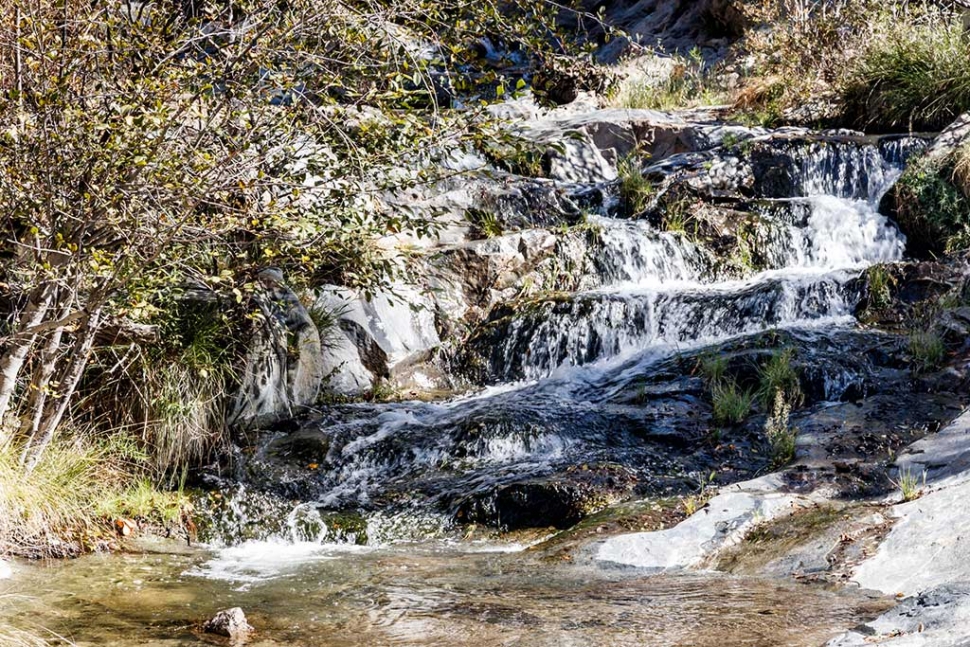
pixel 561 368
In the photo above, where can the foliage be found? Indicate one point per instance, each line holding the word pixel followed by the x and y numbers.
pixel 68 493
pixel 516 155
pixel 926 350
pixel 880 284
pixel 731 404
pixel 886 64
pixel 931 211
pixel 778 431
pixel 153 149
pixel 915 76
pixel 635 189
pixel 909 484
pixel 779 376
pixel 798 52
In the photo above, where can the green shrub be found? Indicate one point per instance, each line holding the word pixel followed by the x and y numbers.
pixel 915 75
pixel 932 212
pixel 731 404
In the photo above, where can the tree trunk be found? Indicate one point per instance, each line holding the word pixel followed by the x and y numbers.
pixel 68 383
pixel 12 361
pixel 39 383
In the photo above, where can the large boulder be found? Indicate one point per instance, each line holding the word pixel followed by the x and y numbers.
pixel 375 338
pixel 931 201
pixel 284 365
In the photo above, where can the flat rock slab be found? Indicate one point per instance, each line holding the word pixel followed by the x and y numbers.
pixel 723 522
pixel 930 544
pixel 937 618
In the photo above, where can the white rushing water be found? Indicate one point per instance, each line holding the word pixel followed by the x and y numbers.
pixel 660 288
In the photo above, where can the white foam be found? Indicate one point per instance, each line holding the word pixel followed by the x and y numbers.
pixel 260 561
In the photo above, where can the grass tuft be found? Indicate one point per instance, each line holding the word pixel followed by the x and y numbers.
pixel 485 224
pixel 635 189
pixel 713 367
pixel 689 85
pixel 779 375
pixel 880 284
pixel 731 404
pixel 58 507
pixel 914 76
pixel 13 637
pixel 926 350
pixel 910 485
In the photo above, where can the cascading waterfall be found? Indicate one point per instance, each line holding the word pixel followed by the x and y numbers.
pixel 660 290
pixel 558 365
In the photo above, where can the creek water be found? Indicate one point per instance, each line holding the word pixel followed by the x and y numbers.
pixel 318 595
pixel 556 372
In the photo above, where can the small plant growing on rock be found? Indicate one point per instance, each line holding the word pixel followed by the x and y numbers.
pixel 731 403
pixel 485 223
pixel 779 433
pixel 926 350
pixel 635 189
pixel 779 376
pixel 880 283
pixel 910 485
pixel 713 367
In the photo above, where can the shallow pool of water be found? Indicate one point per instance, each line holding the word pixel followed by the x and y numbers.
pixel 417 594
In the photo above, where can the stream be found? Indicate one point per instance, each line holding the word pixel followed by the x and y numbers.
pixel 581 396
